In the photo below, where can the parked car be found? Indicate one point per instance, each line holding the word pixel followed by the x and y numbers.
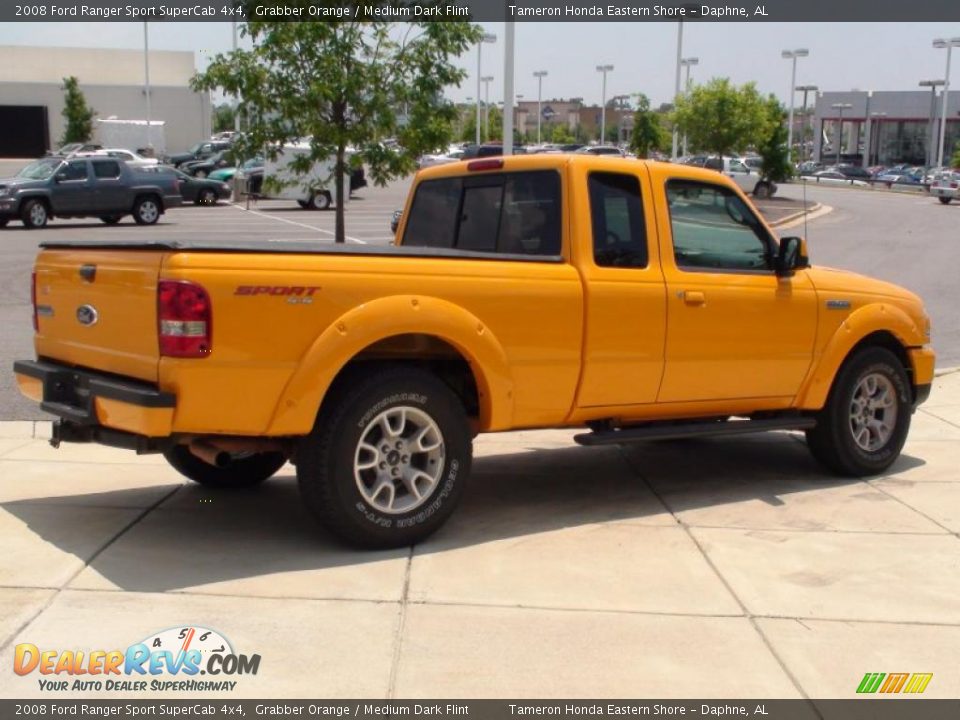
pixel 907 176
pixel 750 181
pixel 601 150
pixel 71 148
pixel 202 168
pixel 946 186
pixel 199 190
pixel 128 156
pixel 832 176
pixel 471 152
pixel 200 151
pixel 376 366
pixel 101 187
pixel 226 174
pixel 854 172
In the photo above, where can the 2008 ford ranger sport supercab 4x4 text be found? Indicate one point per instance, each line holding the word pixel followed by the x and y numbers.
pixel 638 300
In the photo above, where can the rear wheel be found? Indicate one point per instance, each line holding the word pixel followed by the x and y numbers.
pixel 4 221
pixel 206 197
pixel 388 458
pixel 945 200
pixel 320 200
pixel 111 219
pixel 146 210
pixel 762 190
pixel 862 428
pixel 244 469
pixel 34 214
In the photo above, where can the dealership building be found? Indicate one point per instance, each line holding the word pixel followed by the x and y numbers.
pixel 883 128
pixel 113 82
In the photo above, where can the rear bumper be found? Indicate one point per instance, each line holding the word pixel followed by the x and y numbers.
pixel 96 402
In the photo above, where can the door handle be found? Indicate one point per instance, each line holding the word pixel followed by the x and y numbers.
pixel 694 297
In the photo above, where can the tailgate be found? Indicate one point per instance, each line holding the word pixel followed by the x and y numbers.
pixel 98 309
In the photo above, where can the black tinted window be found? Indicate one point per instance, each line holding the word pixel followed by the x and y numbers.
pixel 106 169
pixel 515 213
pixel 76 170
pixel 619 234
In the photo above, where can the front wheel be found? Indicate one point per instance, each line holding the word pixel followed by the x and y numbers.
pixel 243 470
pixel 207 197
pixel 761 191
pixel 320 200
pixel 945 200
pixel 34 214
pixel 863 426
pixel 146 211
pixel 388 458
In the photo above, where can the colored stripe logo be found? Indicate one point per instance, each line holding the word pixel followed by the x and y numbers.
pixel 887 683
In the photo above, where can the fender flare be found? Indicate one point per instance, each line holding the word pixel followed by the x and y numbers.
pixel 864 321
pixel 366 324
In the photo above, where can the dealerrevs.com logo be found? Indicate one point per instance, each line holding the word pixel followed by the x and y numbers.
pixel 170 660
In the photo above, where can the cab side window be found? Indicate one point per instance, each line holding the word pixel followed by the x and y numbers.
pixel 76 170
pixel 106 169
pixel 616 210
pixel 713 229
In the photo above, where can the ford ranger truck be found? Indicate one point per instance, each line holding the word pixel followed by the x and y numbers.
pixel 636 300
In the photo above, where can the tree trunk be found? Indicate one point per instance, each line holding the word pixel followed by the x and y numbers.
pixel 340 169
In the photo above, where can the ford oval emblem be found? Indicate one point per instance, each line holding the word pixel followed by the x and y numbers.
pixel 87 315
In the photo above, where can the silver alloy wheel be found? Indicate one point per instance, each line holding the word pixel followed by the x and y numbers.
pixel 399 460
pixel 149 212
pixel 38 214
pixel 873 412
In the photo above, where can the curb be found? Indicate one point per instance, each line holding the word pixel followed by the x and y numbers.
pixel 794 216
pixel 946 371
pixel 816 211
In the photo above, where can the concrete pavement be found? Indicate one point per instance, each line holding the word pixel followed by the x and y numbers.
pixel 707 568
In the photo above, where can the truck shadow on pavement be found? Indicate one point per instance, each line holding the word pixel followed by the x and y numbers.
pixel 244 539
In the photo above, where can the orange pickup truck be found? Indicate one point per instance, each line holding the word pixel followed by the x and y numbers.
pixel 636 300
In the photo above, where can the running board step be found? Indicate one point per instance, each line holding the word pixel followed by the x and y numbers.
pixel 693 429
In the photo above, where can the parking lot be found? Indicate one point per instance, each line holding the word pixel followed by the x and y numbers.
pixel 707 568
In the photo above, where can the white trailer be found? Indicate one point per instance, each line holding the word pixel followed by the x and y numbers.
pixel 314 190
pixel 134 135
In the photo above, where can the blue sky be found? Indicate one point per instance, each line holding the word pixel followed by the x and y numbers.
pixel 843 56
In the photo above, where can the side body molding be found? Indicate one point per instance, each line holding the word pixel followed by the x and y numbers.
pixel 387 317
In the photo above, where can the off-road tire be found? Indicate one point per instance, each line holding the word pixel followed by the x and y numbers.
pixel 832 441
pixel 31 216
pixel 328 459
pixel 242 472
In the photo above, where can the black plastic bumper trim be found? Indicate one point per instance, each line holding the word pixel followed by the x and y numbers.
pixel 920 394
pixel 58 379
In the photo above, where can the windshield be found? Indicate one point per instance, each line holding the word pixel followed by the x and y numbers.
pixel 195 149
pixel 252 163
pixel 39 170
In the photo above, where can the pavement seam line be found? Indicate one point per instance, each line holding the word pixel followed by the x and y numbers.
pixel 294 222
pixel 401 624
pixel 949 531
pixel 96 553
pixel 723 580
pixel 937 417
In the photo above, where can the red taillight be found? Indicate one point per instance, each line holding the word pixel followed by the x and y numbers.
pixel 33 301
pixel 953 185
pixel 184 319
pixel 492 164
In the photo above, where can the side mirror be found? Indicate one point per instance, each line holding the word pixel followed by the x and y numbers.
pixel 792 255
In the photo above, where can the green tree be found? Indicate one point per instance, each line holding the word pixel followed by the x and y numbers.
pixel 76 112
pixel 648 133
pixel 956 155
pixel 561 134
pixel 223 117
pixel 722 118
pixel 773 148
pixel 340 85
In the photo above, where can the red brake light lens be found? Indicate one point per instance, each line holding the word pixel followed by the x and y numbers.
pixel 491 164
pixel 33 301
pixel 184 319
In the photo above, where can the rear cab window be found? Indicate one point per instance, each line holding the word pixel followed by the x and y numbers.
pixel 515 213
pixel 106 169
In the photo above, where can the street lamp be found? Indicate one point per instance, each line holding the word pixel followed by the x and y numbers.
pixel 687 63
pixel 932 125
pixel 486 38
pixel 841 107
pixel 539 75
pixel 805 89
pixel 949 44
pixel 486 103
pixel 792 55
pixel 603 104
pixel 676 89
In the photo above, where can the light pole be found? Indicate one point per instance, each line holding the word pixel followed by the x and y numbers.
pixel 604 69
pixel 539 75
pixel 806 115
pixel 687 63
pixel 792 55
pixel 486 105
pixel 941 43
pixel 486 38
pixel 932 122
pixel 146 81
pixel 841 107
pixel 508 99
pixel 676 89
